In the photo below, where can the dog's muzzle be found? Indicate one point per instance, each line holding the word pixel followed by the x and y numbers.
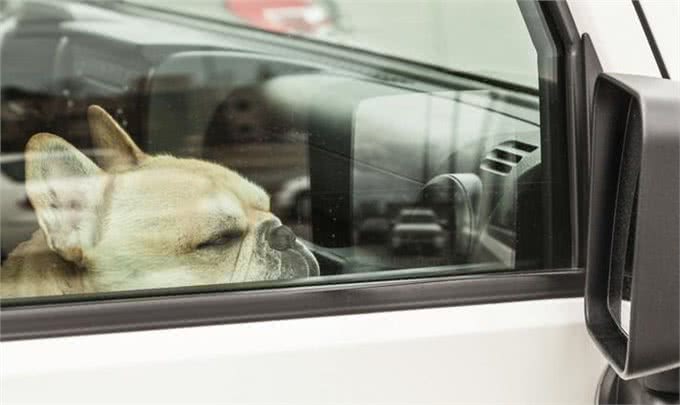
pixel 274 253
pixel 296 260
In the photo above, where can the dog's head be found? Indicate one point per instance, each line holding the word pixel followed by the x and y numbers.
pixel 139 221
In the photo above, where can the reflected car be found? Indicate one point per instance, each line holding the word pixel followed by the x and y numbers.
pixel 417 229
pixel 18 219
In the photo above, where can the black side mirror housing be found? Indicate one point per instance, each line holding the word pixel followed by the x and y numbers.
pixel 634 222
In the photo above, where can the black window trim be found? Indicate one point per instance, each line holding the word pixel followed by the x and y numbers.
pixel 82 318
pixel 145 313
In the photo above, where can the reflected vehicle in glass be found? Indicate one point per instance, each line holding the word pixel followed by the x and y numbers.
pixel 18 219
pixel 417 228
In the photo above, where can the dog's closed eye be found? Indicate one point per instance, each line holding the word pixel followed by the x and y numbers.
pixel 221 239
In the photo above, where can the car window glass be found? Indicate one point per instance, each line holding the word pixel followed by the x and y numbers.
pixel 192 157
pixel 435 32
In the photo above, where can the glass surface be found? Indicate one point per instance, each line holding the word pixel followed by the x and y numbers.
pixel 180 157
pixel 446 33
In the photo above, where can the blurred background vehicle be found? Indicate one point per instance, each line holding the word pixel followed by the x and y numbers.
pixel 311 17
pixel 417 228
pixel 18 219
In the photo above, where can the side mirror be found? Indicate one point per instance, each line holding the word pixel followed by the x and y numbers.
pixel 633 245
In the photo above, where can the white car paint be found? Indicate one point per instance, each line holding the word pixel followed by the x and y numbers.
pixel 512 353
pixel 617 35
pixel 663 17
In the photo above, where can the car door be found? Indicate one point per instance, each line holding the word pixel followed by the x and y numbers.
pixel 474 112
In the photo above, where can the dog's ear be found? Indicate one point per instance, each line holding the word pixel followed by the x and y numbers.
pixel 119 151
pixel 66 189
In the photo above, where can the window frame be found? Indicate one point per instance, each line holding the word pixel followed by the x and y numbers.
pixel 577 68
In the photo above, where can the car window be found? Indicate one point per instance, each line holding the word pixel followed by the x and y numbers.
pixel 141 152
pixel 436 32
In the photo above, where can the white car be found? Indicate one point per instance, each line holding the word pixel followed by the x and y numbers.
pixel 566 112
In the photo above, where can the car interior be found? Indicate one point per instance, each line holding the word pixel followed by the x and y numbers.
pixel 342 147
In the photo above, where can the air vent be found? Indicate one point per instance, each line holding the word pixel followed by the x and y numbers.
pixel 505 156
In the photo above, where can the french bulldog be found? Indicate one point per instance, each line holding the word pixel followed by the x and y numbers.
pixel 136 221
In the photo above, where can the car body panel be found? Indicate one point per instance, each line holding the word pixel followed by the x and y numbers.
pixel 533 352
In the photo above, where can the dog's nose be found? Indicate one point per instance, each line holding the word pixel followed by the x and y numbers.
pixel 281 238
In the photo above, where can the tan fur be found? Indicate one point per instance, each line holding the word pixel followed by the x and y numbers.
pixel 140 222
pixel 33 269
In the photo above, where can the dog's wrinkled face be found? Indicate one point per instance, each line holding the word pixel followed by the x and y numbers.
pixel 144 221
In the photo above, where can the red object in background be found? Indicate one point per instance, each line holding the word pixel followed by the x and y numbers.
pixel 286 16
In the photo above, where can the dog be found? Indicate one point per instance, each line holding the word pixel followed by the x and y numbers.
pixel 137 221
